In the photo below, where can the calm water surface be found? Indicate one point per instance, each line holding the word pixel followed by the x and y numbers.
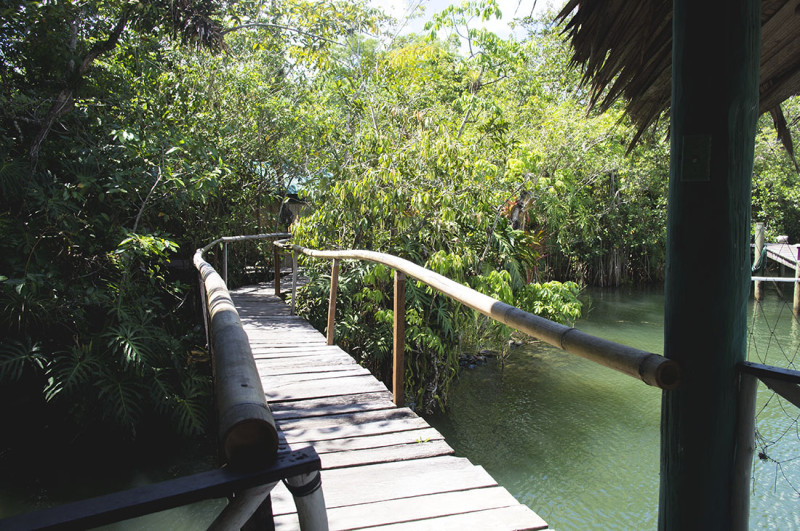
pixel 579 443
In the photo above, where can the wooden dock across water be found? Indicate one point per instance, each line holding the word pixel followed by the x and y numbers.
pixel 783 253
pixel 382 466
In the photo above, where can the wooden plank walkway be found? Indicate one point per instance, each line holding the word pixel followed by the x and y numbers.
pixel 383 467
pixel 783 253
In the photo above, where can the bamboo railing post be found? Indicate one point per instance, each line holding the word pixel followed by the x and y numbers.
pixel 758 291
pixel 294 280
pixel 306 489
pixel 332 300
pixel 745 448
pixel 398 372
pixel 276 258
pixel 204 309
pixel 225 262
pixel 796 305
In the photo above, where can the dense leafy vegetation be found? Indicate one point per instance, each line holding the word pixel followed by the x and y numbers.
pixel 133 132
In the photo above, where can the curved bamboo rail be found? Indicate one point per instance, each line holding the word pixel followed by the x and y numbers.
pixel 651 368
pixel 247 433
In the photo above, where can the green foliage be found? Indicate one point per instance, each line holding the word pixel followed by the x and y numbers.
pixel 122 150
pixel 776 185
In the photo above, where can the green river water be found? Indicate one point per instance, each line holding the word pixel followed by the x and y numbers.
pixel 576 442
pixel 579 443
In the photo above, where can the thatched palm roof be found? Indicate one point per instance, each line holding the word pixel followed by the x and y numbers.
pixel 625 48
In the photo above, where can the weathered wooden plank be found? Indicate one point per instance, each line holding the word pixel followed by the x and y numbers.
pixel 277 320
pixel 277 351
pixel 385 454
pixel 412 509
pixel 254 327
pixel 313 433
pixel 298 377
pixel 331 405
pixel 419 436
pixel 303 344
pixel 518 517
pixel 282 337
pixel 362 417
pixel 391 481
pixel 271 364
pixel 340 369
pixel 323 388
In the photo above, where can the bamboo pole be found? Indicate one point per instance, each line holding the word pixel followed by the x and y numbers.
pixel 332 301
pixel 759 250
pixel 225 262
pixel 204 309
pixel 294 281
pixel 276 258
pixel 306 490
pixel 398 365
pixel 247 433
pixel 650 368
pixel 796 305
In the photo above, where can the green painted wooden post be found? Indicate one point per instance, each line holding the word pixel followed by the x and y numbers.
pixel 714 110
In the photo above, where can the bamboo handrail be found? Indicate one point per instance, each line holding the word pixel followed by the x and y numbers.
pixel 247 432
pixel 651 368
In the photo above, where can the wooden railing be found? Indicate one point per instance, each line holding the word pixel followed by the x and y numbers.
pixel 247 436
pixel 651 368
pixel 247 432
pixel 246 427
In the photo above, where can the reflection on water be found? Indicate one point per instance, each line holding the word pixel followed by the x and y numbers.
pixel 579 443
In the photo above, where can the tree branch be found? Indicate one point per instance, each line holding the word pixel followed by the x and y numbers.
pixel 278 26
pixel 64 98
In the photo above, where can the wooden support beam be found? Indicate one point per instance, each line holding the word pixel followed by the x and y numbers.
pixel 787 390
pixel 276 261
pixel 398 366
pixel 796 304
pixel 714 111
pixel 294 282
pixel 225 262
pixel 332 301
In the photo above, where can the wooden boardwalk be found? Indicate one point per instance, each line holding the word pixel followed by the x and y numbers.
pixel 783 253
pixel 383 466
